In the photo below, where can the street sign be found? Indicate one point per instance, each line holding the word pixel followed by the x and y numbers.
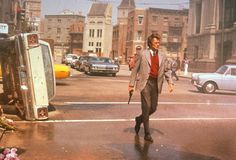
pixel 3 28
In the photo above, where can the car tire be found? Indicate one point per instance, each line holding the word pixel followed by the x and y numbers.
pixel 209 87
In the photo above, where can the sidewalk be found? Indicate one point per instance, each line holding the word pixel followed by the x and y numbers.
pixel 124 71
pixel 185 76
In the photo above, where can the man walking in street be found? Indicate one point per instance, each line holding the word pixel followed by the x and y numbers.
pixel 147 76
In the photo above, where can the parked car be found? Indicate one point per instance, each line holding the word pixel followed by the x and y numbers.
pixel 79 64
pixel 223 79
pixel 101 65
pixel 67 58
pixel 74 60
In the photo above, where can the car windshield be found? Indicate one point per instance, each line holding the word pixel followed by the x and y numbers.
pixel 105 60
pixel 222 70
pixel 74 57
pixel 93 59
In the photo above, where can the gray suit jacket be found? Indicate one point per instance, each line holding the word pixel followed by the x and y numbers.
pixel 140 72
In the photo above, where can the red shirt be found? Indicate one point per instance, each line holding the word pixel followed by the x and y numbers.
pixel 154 65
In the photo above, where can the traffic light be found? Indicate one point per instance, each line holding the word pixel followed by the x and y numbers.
pixel 21 14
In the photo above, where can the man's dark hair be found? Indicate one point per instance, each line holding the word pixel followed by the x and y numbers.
pixel 151 37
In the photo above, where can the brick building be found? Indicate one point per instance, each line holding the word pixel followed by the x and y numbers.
pixel 170 24
pixel 120 30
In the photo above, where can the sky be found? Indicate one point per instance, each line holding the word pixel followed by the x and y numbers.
pixel 52 7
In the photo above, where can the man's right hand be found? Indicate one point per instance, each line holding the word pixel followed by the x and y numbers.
pixel 131 88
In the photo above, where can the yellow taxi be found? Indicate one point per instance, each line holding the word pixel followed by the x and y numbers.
pixel 61 71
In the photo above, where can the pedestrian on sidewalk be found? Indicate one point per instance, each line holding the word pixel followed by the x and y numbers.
pixel 174 67
pixel 186 62
pixel 147 76
pixel 178 66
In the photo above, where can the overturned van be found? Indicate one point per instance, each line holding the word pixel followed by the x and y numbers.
pixel 27 75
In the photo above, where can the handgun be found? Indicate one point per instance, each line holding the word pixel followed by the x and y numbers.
pixel 130 95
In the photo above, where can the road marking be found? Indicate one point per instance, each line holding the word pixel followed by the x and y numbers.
pixel 166 103
pixel 125 120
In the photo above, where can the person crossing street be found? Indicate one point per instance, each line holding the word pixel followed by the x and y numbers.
pixel 147 77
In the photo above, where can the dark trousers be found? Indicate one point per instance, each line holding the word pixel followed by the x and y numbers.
pixel 173 74
pixel 149 98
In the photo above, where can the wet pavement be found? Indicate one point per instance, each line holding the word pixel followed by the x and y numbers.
pixel 173 140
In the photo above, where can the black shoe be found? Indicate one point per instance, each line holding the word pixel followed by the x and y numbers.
pixel 148 138
pixel 137 125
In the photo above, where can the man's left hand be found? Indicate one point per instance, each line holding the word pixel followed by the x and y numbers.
pixel 171 88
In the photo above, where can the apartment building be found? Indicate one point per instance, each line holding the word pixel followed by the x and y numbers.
pixel 61 27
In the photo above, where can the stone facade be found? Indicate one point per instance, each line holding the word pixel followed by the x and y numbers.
pixel 211 34
pixel 98 30
pixel 60 28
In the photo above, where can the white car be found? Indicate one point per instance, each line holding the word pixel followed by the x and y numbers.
pixel 68 58
pixel 223 79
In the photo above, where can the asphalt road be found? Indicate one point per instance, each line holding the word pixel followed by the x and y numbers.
pixel 92 121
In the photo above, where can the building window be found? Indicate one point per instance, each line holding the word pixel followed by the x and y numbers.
pixel 175 31
pixel 139 36
pixel 230 13
pixel 98 50
pixel 154 19
pixel 165 18
pixel 140 20
pixel 99 33
pixel 91 33
pixel 59 20
pixel 58 39
pixel 99 44
pixel 58 30
pixel 90 43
